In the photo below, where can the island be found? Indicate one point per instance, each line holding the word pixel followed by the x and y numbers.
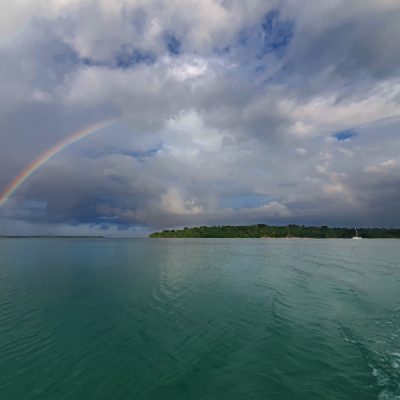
pixel 52 237
pixel 268 231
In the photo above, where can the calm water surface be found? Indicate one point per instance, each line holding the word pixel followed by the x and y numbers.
pixel 199 319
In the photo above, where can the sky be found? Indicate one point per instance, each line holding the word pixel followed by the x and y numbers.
pixel 210 112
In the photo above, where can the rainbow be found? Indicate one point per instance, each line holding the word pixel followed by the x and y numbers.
pixel 27 172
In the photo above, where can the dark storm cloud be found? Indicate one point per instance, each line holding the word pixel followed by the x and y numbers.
pixel 225 113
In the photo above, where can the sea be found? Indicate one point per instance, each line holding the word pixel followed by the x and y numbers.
pixel 212 319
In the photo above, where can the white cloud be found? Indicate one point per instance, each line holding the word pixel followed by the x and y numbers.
pixel 301 151
pixel 187 69
pixel 274 209
pixel 325 115
pixel 172 201
pixel 384 166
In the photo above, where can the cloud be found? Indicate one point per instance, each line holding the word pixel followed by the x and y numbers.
pixel 227 112
pixel 172 202
pixel 384 166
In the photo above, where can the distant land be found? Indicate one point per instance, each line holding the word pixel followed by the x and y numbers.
pixel 268 231
pixel 50 237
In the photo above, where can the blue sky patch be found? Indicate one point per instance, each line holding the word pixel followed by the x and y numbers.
pixel 273 34
pixel 143 155
pixel 345 135
pixel 126 58
pixel 277 33
pixel 173 44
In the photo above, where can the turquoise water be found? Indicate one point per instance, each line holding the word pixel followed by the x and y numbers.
pixel 199 319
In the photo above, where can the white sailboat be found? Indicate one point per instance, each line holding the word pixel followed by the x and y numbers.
pixel 356 237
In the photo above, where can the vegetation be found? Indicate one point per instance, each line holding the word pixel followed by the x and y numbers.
pixel 266 231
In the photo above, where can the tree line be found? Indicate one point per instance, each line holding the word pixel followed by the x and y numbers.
pixel 267 231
